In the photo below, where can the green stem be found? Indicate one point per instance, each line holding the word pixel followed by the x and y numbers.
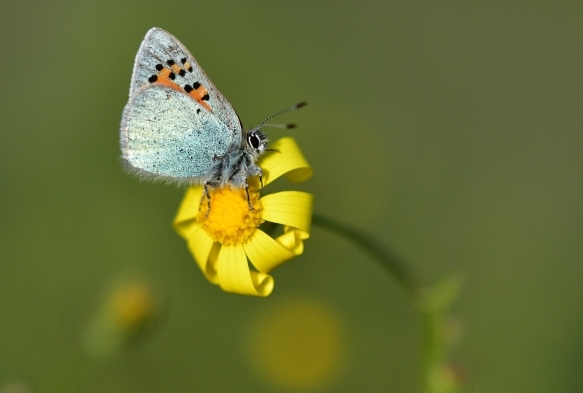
pixel 432 303
pixel 399 270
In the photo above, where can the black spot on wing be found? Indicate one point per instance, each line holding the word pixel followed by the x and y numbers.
pixel 205 97
pixel 181 72
pixel 159 67
pixel 172 76
pixel 187 88
pixel 195 85
pixel 153 78
pixel 170 62
pixel 183 60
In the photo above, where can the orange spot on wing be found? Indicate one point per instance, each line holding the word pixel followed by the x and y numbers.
pixel 164 79
pixel 176 68
pixel 197 95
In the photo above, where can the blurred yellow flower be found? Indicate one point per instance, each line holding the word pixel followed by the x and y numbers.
pixel 297 345
pixel 222 242
pixel 131 307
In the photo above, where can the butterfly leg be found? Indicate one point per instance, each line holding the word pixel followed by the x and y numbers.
pixel 256 171
pixel 248 199
pixel 208 197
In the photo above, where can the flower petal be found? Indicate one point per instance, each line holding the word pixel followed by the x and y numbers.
pixel 235 276
pixel 212 265
pixel 292 240
pixel 265 253
pixel 200 245
pixel 187 212
pixel 292 208
pixel 286 160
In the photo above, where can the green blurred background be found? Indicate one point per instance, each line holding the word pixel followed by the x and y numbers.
pixel 452 131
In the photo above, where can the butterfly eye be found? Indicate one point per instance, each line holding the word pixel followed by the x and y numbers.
pixel 253 141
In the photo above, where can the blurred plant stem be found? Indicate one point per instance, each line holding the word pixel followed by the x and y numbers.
pixel 73 374
pixel 432 303
pixel 125 316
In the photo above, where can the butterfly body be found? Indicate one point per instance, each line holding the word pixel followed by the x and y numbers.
pixel 177 127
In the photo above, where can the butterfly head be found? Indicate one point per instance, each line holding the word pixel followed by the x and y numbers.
pixel 256 141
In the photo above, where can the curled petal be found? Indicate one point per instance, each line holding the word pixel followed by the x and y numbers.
pixel 212 266
pixel 291 208
pixel 292 240
pixel 265 253
pixel 185 219
pixel 286 160
pixel 200 245
pixel 235 276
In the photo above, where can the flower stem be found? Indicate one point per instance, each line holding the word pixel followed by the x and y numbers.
pixel 432 303
pixel 397 268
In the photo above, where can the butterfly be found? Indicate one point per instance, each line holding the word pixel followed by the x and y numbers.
pixel 177 127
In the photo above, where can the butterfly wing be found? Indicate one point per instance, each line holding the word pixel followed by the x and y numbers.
pixel 165 135
pixel 162 59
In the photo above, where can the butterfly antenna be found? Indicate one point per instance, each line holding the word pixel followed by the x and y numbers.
pixel 278 125
pixel 291 108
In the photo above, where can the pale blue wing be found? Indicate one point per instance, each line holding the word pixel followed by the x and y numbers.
pixel 165 135
pixel 161 49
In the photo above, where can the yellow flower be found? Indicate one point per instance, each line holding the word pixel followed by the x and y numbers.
pixel 297 345
pixel 222 242
pixel 131 307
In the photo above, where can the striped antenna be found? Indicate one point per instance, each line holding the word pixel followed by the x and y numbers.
pixel 291 108
pixel 278 125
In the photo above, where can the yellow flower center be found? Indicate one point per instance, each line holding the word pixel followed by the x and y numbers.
pixel 230 221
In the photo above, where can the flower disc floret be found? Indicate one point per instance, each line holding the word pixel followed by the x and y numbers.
pixel 230 221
